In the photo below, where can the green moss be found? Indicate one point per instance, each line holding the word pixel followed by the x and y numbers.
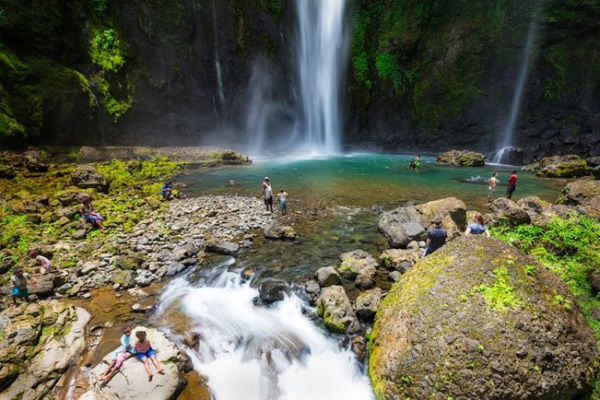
pixel 501 295
pixel 107 50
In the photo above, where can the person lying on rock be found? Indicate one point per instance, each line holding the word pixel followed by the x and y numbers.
pixel 89 213
pixel 436 238
pixel 42 261
pixel 123 353
pixel 477 227
pixel 18 285
pixel 145 353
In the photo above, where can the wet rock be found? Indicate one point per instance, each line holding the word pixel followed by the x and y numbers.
pixel 461 158
pixel 394 276
pixel 124 278
pixel 40 342
pixel 222 247
pixel 359 347
pixel 88 177
pixel 36 160
pixel 327 276
pixel 248 273
pixel 438 315
pixel 366 278
pixel 174 269
pixel 272 291
pixel 335 308
pixel 131 383
pixel 410 223
pixel 354 262
pixel 367 304
pixel 275 230
pixel 309 291
pixel 400 260
pixel 511 156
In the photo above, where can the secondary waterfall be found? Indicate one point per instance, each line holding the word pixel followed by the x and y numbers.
pixel 322 55
pixel 519 88
pixel 258 353
pixel 218 58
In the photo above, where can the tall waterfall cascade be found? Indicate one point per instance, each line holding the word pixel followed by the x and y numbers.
pixel 321 58
pixel 517 99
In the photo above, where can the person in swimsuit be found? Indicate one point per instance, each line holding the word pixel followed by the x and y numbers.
pixel 512 184
pixel 267 193
pixel 418 162
pixel 123 353
pixel 18 285
pixel 89 214
pixel 477 227
pixel 145 353
pixel 493 181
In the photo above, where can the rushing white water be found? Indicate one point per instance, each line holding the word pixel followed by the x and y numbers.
pixel 322 54
pixel 256 353
pixel 519 88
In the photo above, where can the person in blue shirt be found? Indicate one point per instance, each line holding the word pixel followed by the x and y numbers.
pixel 167 191
pixel 477 226
pixel 436 237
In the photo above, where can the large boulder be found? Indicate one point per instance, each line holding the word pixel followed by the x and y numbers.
pixel 567 166
pixel 406 224
pixel 88 177
pixel 276 230
pixel 132 382
pixel 509 155
pixel 335 308
pixel 584 193
pixel 480 320
pixel 506 210
pixel 367 303
pixel 222 247
pixel 39 342
pixel 36 160
pixel 461 158
pixel 360 266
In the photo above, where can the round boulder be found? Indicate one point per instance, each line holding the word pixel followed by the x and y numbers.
pixel 480 320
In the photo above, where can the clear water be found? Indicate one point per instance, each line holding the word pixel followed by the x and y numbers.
pixel 364 180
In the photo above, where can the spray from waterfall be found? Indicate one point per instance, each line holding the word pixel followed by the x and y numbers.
pixel 322 54
pixel 519 89
pixel 220 90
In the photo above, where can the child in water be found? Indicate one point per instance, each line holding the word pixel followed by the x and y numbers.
pixel 145 353
pixel 283 201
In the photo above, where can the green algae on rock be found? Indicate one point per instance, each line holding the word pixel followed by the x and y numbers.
pixel 461 158
pixel 567 166
pixel 478 319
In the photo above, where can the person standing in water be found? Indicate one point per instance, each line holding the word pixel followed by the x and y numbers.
pixel 283 201
pixel 418 162
pixel 493 184
pixel 512 184
pixel 412 164
pixel 267 193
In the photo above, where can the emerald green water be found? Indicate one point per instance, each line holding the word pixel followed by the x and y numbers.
pixel 364 180
pixel 354 181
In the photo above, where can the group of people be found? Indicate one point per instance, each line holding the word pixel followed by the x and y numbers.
pixel 437 237
pixel 267 195
pixel 142 349
pixel 493 182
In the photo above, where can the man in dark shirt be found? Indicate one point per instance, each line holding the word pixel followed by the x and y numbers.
pixel 512 184
pixel 435 238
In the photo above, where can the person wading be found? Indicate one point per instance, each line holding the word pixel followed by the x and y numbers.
pixel 492 188
pixel 267 193
pixel 512 184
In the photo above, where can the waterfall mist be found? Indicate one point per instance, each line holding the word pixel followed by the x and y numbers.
pixel 517 99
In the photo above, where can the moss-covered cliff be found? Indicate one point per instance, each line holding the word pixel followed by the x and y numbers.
pixel 126 72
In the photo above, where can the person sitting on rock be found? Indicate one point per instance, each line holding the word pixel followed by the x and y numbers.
pixel 121 355
pixel 18 285
pixel 436 238
pixel 167 191
pixel 43 262
pixel 145 353
pixel 89 213
pixel 477 227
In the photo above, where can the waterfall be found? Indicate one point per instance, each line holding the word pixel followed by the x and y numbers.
pixel 519 88
pixel 261 353
pixel 220 90
pixel 322 53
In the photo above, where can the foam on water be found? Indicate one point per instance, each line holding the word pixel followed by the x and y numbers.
pixel 258 353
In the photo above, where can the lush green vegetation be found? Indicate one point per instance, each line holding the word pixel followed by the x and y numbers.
pixel 570 248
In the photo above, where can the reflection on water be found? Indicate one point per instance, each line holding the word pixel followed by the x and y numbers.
pixel 363 180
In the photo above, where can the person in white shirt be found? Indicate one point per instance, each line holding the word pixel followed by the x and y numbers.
pixel 283 201
pixel 267 194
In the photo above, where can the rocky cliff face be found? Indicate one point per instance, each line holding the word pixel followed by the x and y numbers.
pixel 423 74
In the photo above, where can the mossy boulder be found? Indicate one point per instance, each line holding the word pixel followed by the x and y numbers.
pixel 36 160
pixel 335 308
pixel 567 166
pixel 461 158
pixel 583 193
pixel 7 172
pixel 88 177
pixel 360 266
pixel 480 320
